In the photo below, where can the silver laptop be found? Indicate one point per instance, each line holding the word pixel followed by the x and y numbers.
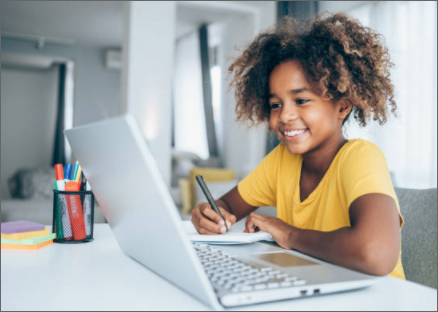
pixel 147 225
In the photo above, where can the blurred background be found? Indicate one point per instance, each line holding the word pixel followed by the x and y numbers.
pixel 70 63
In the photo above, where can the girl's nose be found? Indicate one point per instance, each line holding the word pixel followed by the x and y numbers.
pixel 288 113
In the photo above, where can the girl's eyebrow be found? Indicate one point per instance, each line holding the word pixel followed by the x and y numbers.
pixel 295 91
pixel 299 90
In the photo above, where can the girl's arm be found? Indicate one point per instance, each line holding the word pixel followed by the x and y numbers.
pixel 235 204
pixel 371 245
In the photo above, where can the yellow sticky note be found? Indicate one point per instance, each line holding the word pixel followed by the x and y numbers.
pixel 24 235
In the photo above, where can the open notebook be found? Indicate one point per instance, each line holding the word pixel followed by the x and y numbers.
pixel 235 236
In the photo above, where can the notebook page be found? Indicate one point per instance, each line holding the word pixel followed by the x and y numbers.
pixel 235 236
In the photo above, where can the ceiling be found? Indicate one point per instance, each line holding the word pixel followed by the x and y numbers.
pixel 97 23
pixel 94 23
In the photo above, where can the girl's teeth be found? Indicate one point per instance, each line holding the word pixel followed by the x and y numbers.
pixel 294 133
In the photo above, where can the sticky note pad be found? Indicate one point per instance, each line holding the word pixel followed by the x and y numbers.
pixel 26 247
pixel 30 241
pixel 25 235
pixel 20 227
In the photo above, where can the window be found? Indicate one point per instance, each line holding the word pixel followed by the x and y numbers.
pixel 409 141
pixel 190 133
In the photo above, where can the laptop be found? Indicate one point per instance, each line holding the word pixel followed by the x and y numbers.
pixel 137 204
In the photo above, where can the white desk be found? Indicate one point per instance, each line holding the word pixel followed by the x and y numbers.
pixel 98 276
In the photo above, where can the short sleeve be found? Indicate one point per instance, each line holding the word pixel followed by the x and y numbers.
pixel 365 171
pixel 259 187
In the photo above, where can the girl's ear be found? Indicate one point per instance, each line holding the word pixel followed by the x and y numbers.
pixel 344 108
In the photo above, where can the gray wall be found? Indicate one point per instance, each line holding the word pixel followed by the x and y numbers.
pixel 97 89
pixel 96 97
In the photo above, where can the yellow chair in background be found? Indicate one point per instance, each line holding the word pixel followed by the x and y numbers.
pixel 187 186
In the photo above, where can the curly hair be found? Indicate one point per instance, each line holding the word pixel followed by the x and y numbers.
pixel 341 59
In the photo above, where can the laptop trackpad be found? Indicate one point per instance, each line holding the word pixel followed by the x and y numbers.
pixel 283 259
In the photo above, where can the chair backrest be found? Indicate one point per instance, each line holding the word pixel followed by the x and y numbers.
pixel 419 234
pixel 210 175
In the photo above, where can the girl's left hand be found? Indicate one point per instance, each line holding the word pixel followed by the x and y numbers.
pixel 280 230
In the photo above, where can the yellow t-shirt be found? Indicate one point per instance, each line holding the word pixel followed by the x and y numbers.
pixel 358 168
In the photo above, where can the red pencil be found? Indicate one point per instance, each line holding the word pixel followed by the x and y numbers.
pixel 75 211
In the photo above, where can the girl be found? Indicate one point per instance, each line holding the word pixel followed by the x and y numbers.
pixel 334 197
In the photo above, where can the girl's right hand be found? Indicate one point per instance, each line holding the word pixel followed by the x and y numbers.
pixel 207 221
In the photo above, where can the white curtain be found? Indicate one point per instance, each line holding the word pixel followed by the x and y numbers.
pixel 409 141
pixel 189 116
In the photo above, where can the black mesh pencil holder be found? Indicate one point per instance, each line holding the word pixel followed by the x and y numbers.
pixel 73 216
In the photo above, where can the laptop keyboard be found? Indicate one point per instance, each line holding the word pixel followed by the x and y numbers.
pixel 230 274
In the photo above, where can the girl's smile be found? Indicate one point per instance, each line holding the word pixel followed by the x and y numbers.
pixel 293 135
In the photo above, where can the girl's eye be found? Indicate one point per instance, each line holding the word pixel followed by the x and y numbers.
pixel 275 106
pixel 301 101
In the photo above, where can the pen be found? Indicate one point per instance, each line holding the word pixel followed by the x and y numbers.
pixel 63 226
pixel 210 199
pixel 75 171
pixel 59 177
pixel 87 211
pixel 83 184
pixel 59 185
pixel 75 211
pixel 78 174
pixel 67 172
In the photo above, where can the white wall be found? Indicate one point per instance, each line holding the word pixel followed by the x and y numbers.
pixel 148 53
pixel 243 147
pixel 408 141
pixel 28 115
pixel 336 6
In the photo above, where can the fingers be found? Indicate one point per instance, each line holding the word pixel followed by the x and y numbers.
pixel 208 212
pixel 229 218
pixel 254 223
pixel 204 221
pixel 249 225
pixel 207 221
